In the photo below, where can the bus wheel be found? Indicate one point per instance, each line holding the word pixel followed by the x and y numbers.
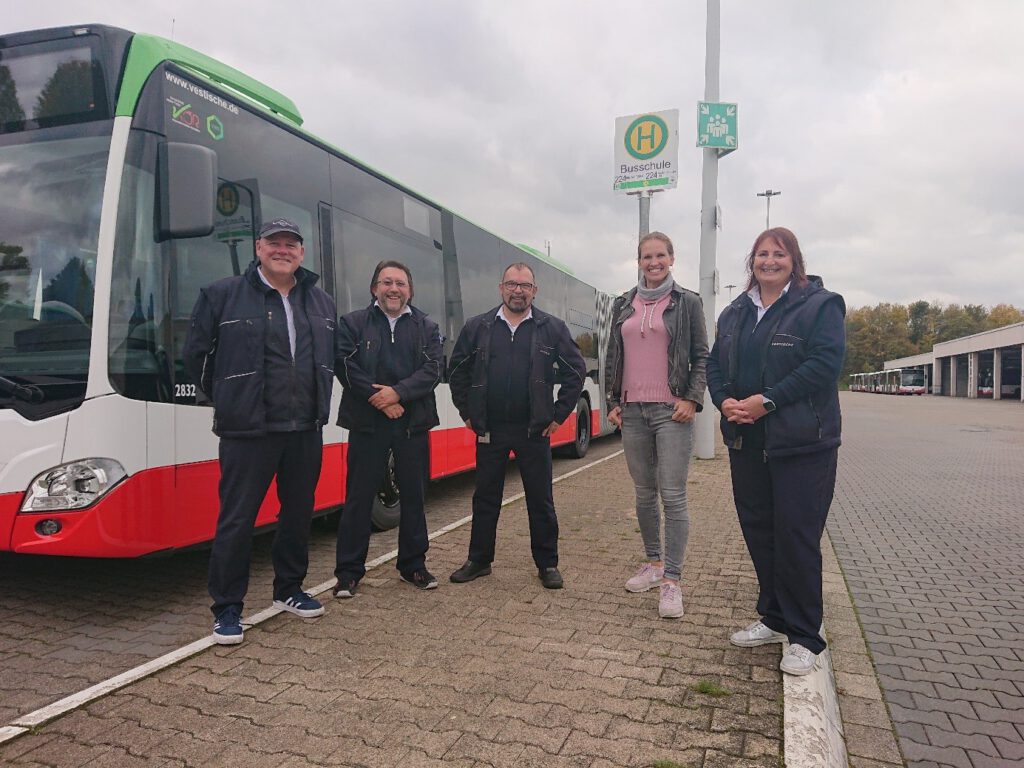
pixel 577 449
pixel 387 504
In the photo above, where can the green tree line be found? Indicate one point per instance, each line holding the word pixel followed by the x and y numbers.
pixel 888 331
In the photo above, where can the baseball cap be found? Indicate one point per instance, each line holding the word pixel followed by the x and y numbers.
pixel 275 226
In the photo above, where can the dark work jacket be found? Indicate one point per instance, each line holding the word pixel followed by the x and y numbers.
pixel 226 345
pixel 800 364
pixel 415 353
pixel 687 349
pixel 552 347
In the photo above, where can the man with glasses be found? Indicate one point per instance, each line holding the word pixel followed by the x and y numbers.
pixel 389 362
pixel 502 377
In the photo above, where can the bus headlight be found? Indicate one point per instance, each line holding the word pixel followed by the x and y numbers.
pixel 74 485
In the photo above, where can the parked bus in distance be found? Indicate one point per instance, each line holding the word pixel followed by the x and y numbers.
pixel 895 381
pixel 135 171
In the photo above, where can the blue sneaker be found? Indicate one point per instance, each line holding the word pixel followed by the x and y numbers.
pixel 301 604
pixel 227 627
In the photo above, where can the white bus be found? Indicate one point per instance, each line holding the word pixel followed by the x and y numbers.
pixel 134 171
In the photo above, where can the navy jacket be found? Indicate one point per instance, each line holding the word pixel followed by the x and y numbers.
pixel 800 367
pixel 553 347
pixel 224 352
pixel 416 342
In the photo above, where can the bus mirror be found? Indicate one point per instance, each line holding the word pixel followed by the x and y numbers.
pixel 186 189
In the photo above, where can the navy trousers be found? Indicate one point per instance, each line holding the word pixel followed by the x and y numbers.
pixel 366 465
pixel 533 455
pixel 782 505
pixel 247 465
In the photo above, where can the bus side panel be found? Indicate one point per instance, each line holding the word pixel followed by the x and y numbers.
pixel 9 503
pixel 133 519
pixel 330 490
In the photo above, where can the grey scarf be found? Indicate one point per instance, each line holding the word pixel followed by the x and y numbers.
pixel 653 294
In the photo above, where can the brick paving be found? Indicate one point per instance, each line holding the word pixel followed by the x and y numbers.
pixel 498 672
pixel 929 528
pixel 67 623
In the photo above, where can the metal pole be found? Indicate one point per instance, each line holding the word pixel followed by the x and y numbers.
pixel 704 442
pixel 768 194
pixel 645 213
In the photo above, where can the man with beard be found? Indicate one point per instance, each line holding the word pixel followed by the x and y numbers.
pixel 502 376
pixel 389 362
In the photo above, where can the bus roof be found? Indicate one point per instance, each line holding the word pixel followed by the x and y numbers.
pixel 147 52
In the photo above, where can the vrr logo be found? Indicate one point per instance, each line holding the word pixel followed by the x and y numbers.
pixel 646 137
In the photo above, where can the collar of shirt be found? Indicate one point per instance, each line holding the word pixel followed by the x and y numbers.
pixel 407 310
pixel 259 271
pixel 500 315
pixel 755 296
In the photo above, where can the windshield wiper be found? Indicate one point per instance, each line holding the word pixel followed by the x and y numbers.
pixel 29 393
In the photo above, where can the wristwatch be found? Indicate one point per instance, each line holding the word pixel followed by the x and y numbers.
pixel 767 403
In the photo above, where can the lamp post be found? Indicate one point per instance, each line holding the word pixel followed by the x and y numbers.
pixel 768 194
pixel 729 289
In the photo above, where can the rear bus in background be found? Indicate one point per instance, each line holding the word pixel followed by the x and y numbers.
pixel 135 172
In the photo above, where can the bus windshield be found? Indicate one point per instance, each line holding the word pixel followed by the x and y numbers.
pixel 52 184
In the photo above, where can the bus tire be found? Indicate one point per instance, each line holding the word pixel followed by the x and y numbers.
pixel 578 448
pixel 387 504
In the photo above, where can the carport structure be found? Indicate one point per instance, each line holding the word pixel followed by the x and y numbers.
pixel 986 364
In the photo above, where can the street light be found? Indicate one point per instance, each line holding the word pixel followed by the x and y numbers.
pixel 768 194
pixel 729 288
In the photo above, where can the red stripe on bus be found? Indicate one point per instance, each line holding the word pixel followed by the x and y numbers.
pixel 9 503
pixel 176 506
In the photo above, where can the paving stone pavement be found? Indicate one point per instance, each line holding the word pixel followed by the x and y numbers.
pixel 928 524
pixel 497 672
pixel 67 623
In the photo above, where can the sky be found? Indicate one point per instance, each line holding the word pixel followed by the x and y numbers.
pixel 892 129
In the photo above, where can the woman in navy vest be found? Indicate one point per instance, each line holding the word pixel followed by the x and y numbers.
pixel 772 373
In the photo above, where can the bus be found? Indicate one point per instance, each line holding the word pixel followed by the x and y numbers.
pixel 134 172
pixel 894 381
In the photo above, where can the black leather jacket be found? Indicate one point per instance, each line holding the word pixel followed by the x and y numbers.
pixel 553 347
pixel 800 368
pixel 687 349
pixel 224 352
pixel 361 335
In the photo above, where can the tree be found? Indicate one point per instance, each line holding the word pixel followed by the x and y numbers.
pixel 1004 314
pixel 956 321
pixel 10 107
pixel 67 92
pixel 874 335
pixel 921 321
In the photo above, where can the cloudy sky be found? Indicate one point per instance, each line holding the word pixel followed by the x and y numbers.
pixel 893 130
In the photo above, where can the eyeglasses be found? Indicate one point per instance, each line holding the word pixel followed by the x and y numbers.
pixel 388 283
pixel 512 285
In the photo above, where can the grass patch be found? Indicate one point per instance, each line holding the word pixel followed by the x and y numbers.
pixel 710 688
pixel 667 764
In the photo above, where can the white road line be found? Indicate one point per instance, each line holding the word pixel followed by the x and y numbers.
pixel 43 715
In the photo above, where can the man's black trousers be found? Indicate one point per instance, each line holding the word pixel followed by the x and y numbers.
pixel 247 466
pixel 366 465
pixel 533 455
pixel 782 505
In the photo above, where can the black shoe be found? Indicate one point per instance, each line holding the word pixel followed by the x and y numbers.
pixel 421 579
pixel 550 578
pixel 470 571
pixel 345 587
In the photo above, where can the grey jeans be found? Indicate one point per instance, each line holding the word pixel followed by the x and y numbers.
pixel 657 453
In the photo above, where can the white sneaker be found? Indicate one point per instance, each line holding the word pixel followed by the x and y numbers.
pixel 648 577
pixel 670 604
pixel 756 634
pixel 798 660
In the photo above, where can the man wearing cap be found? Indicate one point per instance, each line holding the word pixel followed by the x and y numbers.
pixel 261 347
